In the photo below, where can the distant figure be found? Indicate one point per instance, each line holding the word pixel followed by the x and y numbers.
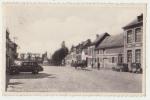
pixel 76 64
pixel 92 64
pixel 95 64
pixel 98 66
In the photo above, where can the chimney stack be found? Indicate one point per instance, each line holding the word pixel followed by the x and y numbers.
pixel 97 35
pixel 140 18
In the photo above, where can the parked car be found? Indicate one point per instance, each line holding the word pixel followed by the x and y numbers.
pixel 122 67
pixel 82 64
pixel 136 68
pixel 25 66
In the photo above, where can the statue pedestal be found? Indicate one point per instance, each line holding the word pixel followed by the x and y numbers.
pixel 45 62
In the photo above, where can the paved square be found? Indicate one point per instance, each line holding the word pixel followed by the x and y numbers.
pixel 68 79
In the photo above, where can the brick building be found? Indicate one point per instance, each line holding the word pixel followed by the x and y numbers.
pixel 133 33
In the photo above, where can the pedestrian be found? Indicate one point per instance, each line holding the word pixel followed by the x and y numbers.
pixel 95 64
pixel 76 64
pixel 92 64
pixel 98 66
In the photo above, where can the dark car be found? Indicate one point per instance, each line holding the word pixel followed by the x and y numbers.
pixel 122 67
pixel 136 68
pixel 82 64
pixel 25 66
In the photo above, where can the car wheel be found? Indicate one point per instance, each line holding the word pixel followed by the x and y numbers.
pixel 35 71
pixel 12 72
pixel 16 71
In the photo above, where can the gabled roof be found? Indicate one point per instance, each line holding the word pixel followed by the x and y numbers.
pixel 137 21
pixel 112 41
pixel 99 38
pixel 78 46
pixel 86 43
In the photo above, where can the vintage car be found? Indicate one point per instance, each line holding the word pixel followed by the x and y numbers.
pixel 82 64
pixel 122 67
pixel 25 66
pixel 136 68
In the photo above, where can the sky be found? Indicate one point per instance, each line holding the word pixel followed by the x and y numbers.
pixel 42 27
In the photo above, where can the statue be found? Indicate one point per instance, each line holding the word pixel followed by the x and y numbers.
pixel 45 58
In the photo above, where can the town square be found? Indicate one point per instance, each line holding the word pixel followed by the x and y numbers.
pixel 68 79
pixel 74 48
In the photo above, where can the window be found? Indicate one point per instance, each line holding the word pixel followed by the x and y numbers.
pixel 97 51
pixel 120 58
pixel 97 59
pixel 138 35
pixel 129 36
pixel 113 59
pixel 138 56
pixel 129 56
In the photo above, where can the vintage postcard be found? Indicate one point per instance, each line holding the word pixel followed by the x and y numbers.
pixel 74 49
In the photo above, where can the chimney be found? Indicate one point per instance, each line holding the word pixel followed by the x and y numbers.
pixel 97 35
pixel 140 18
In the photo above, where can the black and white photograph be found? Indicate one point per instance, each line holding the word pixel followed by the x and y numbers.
pixel 74 48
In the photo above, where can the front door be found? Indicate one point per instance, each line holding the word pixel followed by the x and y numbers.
pixel 105 62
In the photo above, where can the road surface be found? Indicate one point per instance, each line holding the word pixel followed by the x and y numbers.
pixel 68 79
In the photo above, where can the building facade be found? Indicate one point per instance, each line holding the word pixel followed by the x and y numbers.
pixel 133 44
pixel 92 53
pixel 84 53
pixel 11 51
pixel 110 51
pixel 71 57
pixel 78 53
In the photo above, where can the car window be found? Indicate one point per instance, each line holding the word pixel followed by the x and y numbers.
pixel 30 64
pixel 17 63
pixel 25 63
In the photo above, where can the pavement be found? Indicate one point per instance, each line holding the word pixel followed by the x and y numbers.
pixel 69 79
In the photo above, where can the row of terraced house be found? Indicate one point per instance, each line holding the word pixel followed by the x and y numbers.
pixel 109 50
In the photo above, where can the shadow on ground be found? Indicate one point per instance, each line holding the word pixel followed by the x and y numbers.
pixel 84 69
pixel 15 83
pixel 32 76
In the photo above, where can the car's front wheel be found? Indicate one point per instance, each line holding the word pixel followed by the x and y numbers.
pixel 14 71
pixel 35 71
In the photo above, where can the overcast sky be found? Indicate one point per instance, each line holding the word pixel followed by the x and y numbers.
pixel 42 27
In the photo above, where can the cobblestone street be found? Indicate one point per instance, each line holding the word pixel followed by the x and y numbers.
pixel 68 79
